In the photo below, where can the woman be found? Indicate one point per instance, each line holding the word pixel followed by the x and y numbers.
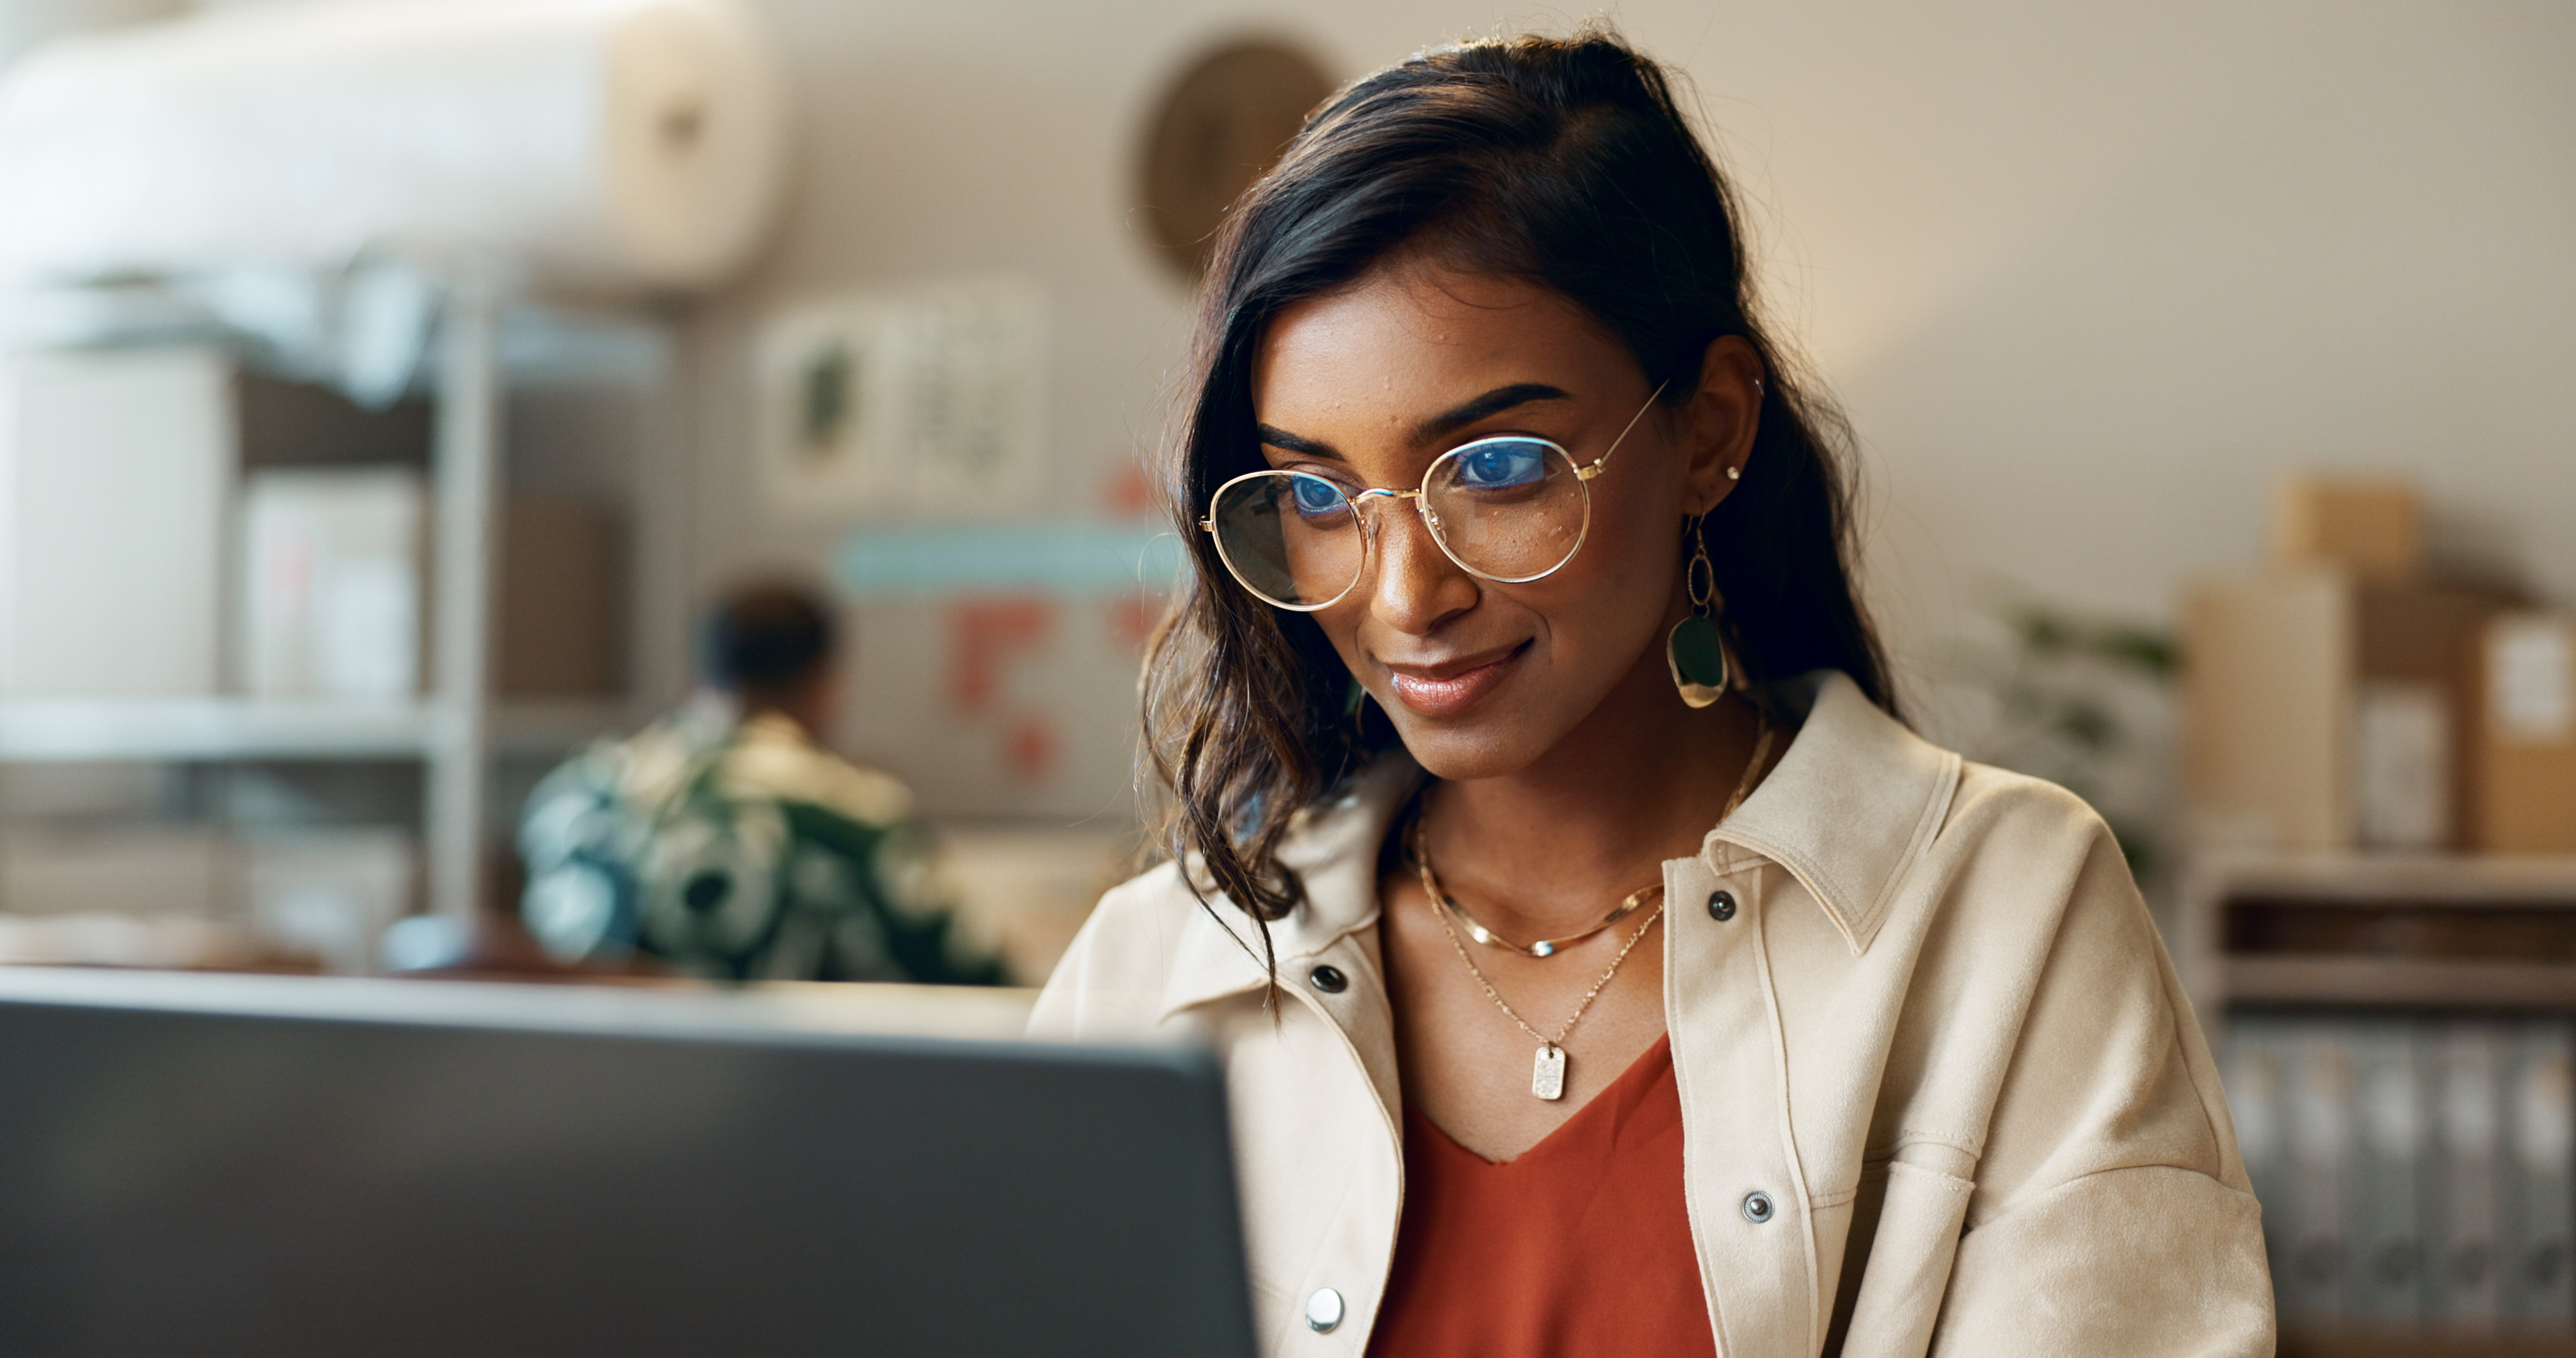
pixel 1601 965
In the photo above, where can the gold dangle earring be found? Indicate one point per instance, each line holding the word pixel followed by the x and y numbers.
pixel 1696 650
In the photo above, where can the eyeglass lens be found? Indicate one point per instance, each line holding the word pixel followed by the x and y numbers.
pixel 1508 509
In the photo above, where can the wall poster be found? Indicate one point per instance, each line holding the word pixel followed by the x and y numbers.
pixel 903 403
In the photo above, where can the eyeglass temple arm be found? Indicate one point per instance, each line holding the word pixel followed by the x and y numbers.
pixel 1601 463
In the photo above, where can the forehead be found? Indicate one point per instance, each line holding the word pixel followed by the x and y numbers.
pixel 1406 341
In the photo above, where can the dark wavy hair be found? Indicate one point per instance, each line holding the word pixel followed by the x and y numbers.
pixel 1565 162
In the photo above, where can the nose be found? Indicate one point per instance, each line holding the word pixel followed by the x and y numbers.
pixel 1418 587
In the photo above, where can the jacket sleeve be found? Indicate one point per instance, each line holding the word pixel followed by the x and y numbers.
pixel 2149 1259
pixel 2110 1211
pixel 1108 985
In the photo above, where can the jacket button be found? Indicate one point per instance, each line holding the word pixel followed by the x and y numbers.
pixel 1758 1208
pixel 1329 980
pixel 1721 906
pixel 1323 1310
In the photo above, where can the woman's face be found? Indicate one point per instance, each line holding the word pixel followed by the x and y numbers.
pixel 1367 385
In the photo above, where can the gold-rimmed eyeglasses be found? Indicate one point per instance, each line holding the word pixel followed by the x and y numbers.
pixel 1511 509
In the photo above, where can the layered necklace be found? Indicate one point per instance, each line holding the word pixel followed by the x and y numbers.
pixel 1547 1072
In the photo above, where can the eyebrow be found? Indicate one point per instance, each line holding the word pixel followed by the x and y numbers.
pixel 1457 417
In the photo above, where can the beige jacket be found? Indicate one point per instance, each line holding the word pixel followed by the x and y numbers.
pixel 1937 1032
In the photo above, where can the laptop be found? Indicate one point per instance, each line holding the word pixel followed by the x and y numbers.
pixel 289 1166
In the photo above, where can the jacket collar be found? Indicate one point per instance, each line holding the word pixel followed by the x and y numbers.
pixel 1850 807
pixel 1847 810
pixel 1334 849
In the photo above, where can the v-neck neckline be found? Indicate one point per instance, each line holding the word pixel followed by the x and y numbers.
pixel 1638 1071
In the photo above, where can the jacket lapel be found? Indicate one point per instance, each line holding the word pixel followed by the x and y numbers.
pixel 1852 804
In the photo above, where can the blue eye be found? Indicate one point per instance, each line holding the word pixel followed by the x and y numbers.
pixel 1502 465
pixel 1314 496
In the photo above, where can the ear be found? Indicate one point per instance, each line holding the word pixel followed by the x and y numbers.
pixel 1718 424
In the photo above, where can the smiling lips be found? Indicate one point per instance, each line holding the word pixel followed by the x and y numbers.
pixel 1445 690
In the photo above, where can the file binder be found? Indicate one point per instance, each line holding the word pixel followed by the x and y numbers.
pixel 2313 1276
pixel 2464 1185
pixel 2385 1284
pixel 2251 1071
pixel 2416 1174
pixel 2539 1273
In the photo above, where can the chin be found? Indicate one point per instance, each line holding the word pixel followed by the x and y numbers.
pixel 1464 749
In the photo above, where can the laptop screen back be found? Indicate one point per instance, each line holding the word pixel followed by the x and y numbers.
pixel 290 1167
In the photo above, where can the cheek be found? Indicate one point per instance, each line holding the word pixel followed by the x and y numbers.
pixel 1619 586
pixel 1601 615
pixel 1341 624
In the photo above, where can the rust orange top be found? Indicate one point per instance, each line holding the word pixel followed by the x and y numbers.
pixel 1580 1247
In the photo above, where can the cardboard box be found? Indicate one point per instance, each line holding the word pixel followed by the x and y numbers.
pixel 116 471
pixel 2323 711
pixel 560 628
pixel 299 424
pixel 2266 674
pixel 131 869
pixel 2526 757
pixel 335 603
pixel 332 580
pixel 2371 528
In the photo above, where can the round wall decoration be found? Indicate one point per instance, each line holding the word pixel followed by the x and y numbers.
pixel 1222 126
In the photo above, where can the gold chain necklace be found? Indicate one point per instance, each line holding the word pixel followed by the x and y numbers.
pixel 1546 947
pixel 1547 1074
pixel 1547 1071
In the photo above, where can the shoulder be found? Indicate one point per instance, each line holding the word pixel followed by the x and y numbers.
pixel 1137 932
pixel 2025 879
pixel 1115 975
pixel 2019 852
pixel 1151 907
pixel 1159 946
pixel 783 765
pixel 1998 810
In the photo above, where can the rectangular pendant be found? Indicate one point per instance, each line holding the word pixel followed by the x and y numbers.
pixel 1547 1078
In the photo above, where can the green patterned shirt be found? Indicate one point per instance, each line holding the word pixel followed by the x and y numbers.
pixel 738 850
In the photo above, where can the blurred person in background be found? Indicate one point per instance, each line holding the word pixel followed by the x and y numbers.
pixel 725 842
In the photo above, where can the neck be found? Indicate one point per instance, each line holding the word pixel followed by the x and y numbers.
pixel 1549 849
pixel 801 703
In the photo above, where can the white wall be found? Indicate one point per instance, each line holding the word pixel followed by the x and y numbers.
pixel 2089 278
pixel 2090 282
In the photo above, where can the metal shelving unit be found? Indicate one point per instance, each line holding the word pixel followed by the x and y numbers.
pixel 2394 934
pixel 465 469
pixel 2429 931
pixel 454 729
pixel 49 730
